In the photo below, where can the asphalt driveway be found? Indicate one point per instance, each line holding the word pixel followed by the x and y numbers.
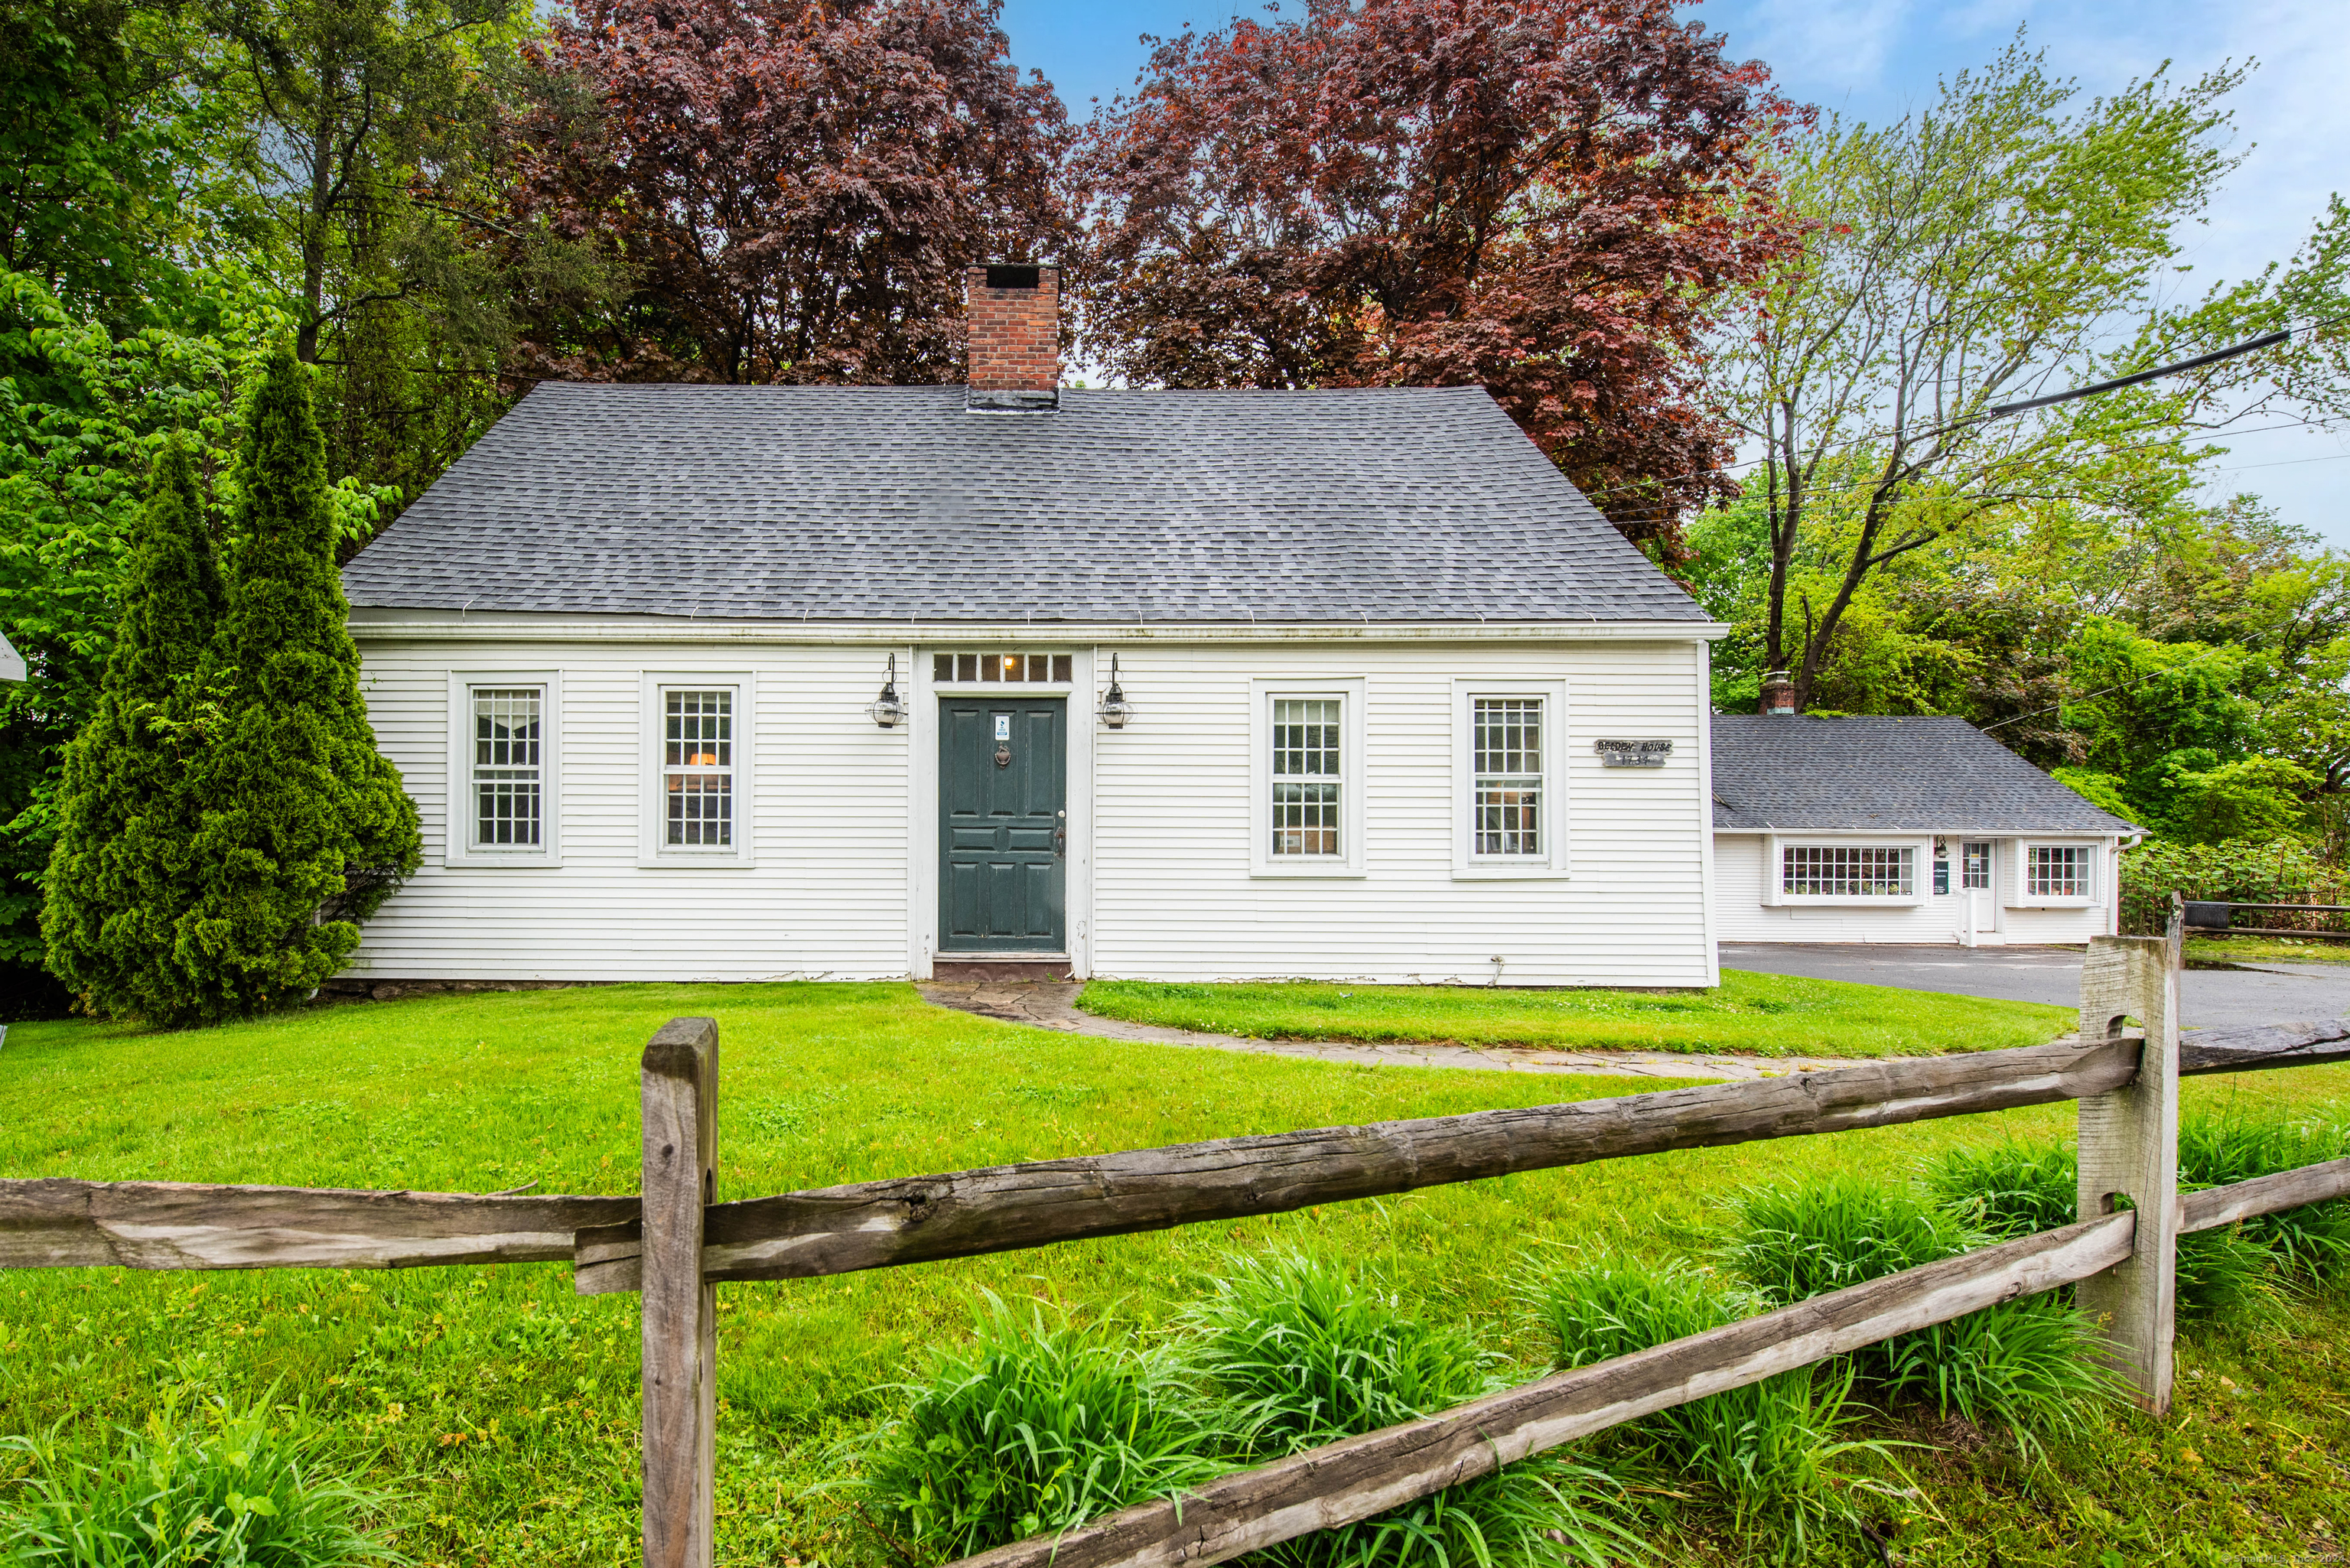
pixel 2266 993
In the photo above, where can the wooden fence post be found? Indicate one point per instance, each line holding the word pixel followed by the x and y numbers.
pixel 2129 1148
pixel 680 1311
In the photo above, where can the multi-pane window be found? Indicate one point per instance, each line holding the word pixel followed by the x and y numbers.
pixel 1847 871
pixel 697 769
pixel 1306 775
pixel 508 777
pixel 2056 871
pixel 1974 866
pixel 957 668
pixel 1507 778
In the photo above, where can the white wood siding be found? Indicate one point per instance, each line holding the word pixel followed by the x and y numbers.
pixel 1741 877
pixel 826 895
pixel 842 886
pixel 1174 897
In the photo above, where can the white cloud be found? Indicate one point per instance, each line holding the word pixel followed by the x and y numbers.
pixel 1826 43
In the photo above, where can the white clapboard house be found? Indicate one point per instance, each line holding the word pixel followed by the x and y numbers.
pixel 1901 830
pixel 743 683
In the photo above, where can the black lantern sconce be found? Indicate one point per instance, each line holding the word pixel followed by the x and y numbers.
pixel 1115 709
pixel 889 708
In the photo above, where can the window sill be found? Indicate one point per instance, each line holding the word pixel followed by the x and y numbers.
pixel 2089 903
pixel 1857 901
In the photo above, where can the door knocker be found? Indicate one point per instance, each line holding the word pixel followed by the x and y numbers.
pixel 1003 755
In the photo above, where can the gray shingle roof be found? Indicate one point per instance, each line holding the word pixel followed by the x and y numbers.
pixel 867 503
pixel 1889 776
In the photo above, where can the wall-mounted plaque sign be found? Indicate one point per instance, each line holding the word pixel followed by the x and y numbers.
pixel 1633 754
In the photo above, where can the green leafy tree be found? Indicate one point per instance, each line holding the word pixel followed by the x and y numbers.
pixel 1973 258
pixel 120 876
pixel 306 829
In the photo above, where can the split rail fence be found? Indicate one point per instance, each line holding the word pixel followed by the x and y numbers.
pixel 675 1243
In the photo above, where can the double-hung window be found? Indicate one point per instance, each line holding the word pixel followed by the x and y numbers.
pixel 697 769
pixel 1508 784
pixel 1305 816
pixel 504 793
pixel 509 791
pixel 696 734
pixel 1308 777
pixel 1507 792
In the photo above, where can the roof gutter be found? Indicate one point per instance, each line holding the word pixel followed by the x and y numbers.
pixel 450 627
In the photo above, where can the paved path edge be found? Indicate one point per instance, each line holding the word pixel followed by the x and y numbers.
pixel 1053 1005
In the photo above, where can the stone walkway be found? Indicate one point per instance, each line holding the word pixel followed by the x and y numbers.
pixel 1050 1005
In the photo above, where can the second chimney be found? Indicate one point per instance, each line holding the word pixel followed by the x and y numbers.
pixel 1013 314
pixel 1778 692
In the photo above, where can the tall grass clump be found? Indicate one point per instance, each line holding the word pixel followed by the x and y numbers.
pixel 2030 1364
pixel 1771 1450
pixel 2007 1190
pixel 1032 1428
pixel 1309 1351
pixel 2312 1242
pixel 2015 1188
pixel 220 1486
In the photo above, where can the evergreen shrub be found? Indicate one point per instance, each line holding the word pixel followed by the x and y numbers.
pixel 305 828
pixel 122 871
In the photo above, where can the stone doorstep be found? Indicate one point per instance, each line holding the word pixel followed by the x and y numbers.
pixel 982 969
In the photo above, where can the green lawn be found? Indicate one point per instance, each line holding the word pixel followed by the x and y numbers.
pixel 506 1406
pixel 1748 1014
pixel 2268 949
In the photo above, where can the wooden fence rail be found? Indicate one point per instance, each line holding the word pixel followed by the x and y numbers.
pixel 52 1222
pixel 675 1242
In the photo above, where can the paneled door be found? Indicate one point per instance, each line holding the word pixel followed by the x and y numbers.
pixel 1002 823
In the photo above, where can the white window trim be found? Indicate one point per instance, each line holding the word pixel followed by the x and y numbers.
pixel 652 850
pixel 1552 864
pixel 2019 874
pixel 457 846
pixel 1774 870
pixel 1264 691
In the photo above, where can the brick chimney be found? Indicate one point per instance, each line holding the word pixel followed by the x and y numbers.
pixel 1778 692
pixel 1014 315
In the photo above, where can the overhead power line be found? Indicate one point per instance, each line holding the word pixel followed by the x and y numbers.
pixel 2002 410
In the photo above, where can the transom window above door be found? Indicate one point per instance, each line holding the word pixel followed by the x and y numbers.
pixel 1028 668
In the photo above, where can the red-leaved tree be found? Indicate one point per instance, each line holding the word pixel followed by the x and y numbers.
pixel 792 187
pixel 1550 198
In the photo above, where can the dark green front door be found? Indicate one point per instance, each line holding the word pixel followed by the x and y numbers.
pixel 1002 822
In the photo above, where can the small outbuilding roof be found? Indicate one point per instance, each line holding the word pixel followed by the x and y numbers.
pixel 1781 773
pixel 884 504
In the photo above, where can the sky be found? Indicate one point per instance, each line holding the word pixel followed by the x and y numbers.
pixel 1876 60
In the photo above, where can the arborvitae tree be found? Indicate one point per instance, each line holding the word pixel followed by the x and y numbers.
pixel 305 827
pixel 119 877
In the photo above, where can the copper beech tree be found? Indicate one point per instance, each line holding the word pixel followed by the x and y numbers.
pixel 1551 198
pixel 793 189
